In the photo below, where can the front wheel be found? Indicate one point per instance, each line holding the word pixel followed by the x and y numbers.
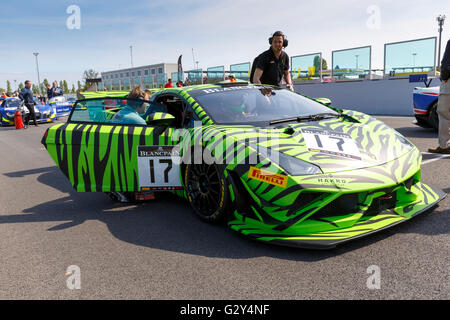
pixel 433 117
pixel 207 192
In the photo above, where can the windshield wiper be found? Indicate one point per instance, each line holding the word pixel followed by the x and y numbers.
pixel 312 117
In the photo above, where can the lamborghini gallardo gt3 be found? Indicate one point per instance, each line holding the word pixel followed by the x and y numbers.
pixel 272 164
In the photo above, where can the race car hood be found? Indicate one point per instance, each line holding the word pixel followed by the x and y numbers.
pixel 430 90
pixel 336 144
pixel 10 109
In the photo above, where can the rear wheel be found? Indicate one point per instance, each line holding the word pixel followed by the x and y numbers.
pixel 207 192
pixel 433 117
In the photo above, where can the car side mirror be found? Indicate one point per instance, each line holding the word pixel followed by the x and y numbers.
pixel 324 101
pixel 160 119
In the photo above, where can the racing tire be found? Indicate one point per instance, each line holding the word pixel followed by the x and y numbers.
pixel 433 118
pixel 207 192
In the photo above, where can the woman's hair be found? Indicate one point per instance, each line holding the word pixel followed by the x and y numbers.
pixel 136 93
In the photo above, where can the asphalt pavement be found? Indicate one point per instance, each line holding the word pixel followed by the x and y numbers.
pixel 160 250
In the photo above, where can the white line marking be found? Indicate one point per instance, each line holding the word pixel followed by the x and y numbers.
pixel 444 156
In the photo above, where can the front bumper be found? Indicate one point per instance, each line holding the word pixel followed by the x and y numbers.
pixel 426 198
pixel 347 205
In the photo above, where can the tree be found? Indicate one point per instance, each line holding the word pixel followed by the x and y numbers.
pixel 21 86
pixel 79 85
pixel 73 88
pixel 87 75
pixel 2 90
pixel 8 86
pixel 317 64
pixel 65 87
pixel 35 89
pixel 46 82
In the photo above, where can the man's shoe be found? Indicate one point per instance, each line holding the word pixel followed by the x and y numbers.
pixel 439 150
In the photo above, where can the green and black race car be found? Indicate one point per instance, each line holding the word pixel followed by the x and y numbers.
pixel 274 165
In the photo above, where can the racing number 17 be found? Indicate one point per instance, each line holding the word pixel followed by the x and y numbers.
pixel 166 172
pixel 338 143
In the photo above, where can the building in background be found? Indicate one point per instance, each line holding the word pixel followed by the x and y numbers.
pixel 150 76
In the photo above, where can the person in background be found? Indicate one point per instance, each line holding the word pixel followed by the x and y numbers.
pixel 149 93
pixel 272 65
pixel 49 91
pixel 169 84
pixel 56 91
pixel 26 95
pixel 130 114
pixel 443 108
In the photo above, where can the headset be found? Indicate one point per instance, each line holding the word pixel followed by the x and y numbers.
pixel 276 34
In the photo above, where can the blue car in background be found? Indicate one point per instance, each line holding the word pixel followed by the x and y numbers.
pixel 8 107
pixel 425 104
pixel 61 105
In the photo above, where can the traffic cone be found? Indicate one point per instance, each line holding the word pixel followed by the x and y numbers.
pixel 18 120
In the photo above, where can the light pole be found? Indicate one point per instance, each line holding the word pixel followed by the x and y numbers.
pixel 414 60
pixel 440 19
pixel 131 55
pixel 37 68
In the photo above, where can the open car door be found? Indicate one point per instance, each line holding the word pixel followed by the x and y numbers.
pixel 99 155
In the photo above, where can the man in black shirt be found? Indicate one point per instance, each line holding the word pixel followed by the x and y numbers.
pixel 26 95
pixel 271 65
pixel 443 107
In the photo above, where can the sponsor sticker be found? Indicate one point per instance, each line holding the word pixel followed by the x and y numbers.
pixel 332 143
pixel 268 177
pixel 159 168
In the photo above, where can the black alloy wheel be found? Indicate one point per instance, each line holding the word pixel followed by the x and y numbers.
pixel 207 191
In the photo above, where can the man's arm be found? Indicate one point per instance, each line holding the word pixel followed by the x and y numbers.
pixel 257 76
pixel 21 95
pixel 287 77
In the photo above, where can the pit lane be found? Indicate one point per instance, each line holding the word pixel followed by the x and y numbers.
pixel 160 250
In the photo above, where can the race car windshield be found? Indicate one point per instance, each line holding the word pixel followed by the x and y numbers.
pixel 255 104
pixel 14 103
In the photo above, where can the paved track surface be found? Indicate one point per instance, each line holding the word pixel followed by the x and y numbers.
pixel 160 250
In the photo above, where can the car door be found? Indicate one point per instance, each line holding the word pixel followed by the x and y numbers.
pixel 97 155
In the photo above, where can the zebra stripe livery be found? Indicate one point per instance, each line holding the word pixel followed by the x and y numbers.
pixel 343 198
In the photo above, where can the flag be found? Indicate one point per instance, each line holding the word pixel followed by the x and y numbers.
pixel 180 67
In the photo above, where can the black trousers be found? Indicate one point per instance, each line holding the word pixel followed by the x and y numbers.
pixel 30 108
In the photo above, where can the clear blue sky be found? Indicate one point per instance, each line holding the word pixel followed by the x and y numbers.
pixel 220 32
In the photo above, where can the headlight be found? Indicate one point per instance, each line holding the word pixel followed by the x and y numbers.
pixel 404 141
pixel 291 165
pixel 297 167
